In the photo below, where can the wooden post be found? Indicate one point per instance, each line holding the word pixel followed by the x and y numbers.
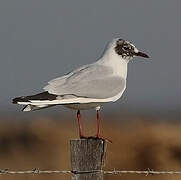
pixel 87 158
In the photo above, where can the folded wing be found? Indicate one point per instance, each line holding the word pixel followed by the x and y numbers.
pixel 91 81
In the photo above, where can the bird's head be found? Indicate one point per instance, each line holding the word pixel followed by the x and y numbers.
pixel 127 50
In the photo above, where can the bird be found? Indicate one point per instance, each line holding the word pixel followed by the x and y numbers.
pixel 89 86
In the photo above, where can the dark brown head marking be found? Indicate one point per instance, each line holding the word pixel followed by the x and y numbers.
pixel 124 48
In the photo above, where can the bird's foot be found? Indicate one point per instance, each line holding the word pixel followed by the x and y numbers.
pixel 98 136
pixel 83 137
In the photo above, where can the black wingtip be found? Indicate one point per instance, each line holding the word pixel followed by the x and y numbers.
pixel 19 99
pixel 16 100
pixel 41 96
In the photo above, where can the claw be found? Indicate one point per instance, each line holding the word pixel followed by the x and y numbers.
pixel 103 138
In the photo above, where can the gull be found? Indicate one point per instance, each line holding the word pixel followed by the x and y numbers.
pixel 89 86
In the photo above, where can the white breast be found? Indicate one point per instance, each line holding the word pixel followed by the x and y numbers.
pixel 83 106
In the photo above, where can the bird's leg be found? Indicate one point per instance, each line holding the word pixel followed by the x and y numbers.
pixel 98 123
pixel 80 124
pixel 99 136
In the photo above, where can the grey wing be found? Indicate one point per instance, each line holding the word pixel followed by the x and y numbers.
pixel 91 82
pixel 61 80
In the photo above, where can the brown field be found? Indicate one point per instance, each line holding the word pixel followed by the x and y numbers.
pixel 138 144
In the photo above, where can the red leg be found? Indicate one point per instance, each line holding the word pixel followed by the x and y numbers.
pixel 80 124
pixel 98 123
pixel 98 127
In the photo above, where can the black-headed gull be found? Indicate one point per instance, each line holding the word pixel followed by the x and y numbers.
pixel 89 86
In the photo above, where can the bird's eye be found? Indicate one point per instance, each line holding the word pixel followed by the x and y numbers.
pixel 125 48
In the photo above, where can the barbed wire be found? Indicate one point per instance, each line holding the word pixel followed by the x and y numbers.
pixel 107 172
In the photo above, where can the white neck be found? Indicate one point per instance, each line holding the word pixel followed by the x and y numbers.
pixel 119 65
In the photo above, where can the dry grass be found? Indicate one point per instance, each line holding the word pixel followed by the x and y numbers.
pixel 44 143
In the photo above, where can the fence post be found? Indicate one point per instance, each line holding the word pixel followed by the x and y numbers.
pixel 87 158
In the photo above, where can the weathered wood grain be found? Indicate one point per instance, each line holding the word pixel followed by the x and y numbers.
pixel 87 157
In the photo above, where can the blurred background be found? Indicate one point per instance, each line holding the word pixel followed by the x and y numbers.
pixel 41 40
